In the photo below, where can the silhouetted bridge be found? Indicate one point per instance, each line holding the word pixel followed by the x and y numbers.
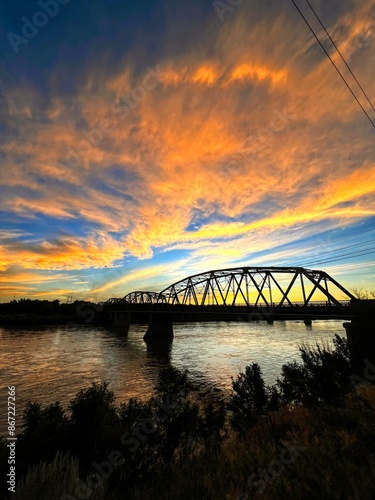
pixel 252 294
pixel 243 293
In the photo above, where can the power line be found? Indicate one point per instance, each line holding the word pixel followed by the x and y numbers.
pixel 330 58
pixel 349 246
pixel 362 247
pixel 345 256
pixel 340 54
pixel 354 232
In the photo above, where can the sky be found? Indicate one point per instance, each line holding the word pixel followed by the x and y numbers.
pixel 143 142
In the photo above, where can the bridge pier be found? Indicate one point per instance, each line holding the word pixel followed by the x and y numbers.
pixel 121 320
pixel 360 333
pixel 160 326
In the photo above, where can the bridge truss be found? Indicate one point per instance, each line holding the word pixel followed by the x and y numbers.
pixel 272 288
pixel 139 297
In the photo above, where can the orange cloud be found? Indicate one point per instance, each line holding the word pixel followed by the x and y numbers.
pixel 255 72
pixel 205 74
pixel 212 143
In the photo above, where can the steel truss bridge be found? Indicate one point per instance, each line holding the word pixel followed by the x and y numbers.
pixel 139 298
pixel 271 290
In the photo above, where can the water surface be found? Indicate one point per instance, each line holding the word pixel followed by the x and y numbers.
pixel 48 364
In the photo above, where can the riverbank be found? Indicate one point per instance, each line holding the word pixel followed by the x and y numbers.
pixel 311 435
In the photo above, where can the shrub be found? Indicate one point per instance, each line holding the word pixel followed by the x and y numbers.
pixel 94 422
pixel 323 375
pixel 173 384
pixel 44 432
pixel 250 399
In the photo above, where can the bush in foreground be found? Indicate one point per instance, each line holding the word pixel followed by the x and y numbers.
pixel 287 442
pixel 323 375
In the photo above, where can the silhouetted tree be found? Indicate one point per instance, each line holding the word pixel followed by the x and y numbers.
pixel 323 375
pixel 251 398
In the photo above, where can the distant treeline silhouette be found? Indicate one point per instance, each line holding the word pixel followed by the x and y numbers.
pixel 28 311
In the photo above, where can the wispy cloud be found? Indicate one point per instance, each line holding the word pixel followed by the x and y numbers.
pixel 202 162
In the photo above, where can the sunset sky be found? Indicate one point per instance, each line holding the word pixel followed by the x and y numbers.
pixel 142 142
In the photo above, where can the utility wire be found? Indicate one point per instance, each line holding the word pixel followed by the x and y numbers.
pixel 350 246
pixel 357 231
pixel 340 54
pixel 363 248
pixel 330 58
pixel 344 257
pixel 353 252
pixel 332 258
pixel 367 247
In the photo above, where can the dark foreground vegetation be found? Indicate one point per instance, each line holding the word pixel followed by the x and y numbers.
pixel 311 435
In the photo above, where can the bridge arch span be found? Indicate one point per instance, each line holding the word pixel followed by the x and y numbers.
pixel 270 287
pixel 144 297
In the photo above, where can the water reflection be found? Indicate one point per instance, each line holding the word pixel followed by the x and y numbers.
pixel 49 364
pixel 159 351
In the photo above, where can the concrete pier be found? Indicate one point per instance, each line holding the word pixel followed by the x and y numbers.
pixel 360 333
pixel 160 326
pixel 121 320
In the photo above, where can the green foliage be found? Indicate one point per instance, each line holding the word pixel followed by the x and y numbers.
pixel 34 416
pixel 134 412
pixel 213 430
pixel 93 422
pixel 323 374
pixel 166 430
pixel 173 384
pixel 251 398
pixel 44 432
pixel 328 458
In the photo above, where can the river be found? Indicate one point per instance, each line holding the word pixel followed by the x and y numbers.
pixel 48 364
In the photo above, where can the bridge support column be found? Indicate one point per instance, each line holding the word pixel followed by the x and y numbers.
pixel 360 333
pixel 307 322
pixel 121 320
pixel 160 326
